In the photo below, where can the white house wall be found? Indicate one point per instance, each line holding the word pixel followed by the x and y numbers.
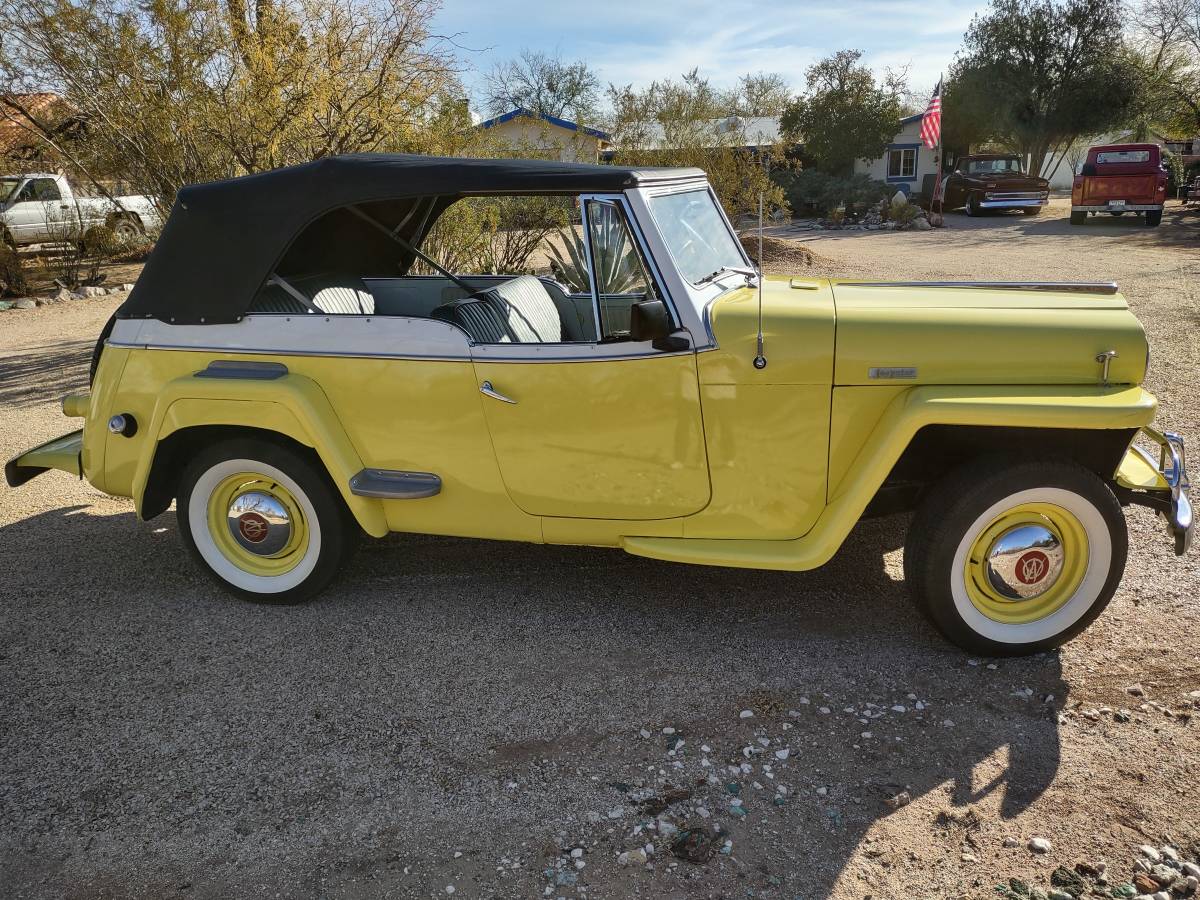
pixel 909 137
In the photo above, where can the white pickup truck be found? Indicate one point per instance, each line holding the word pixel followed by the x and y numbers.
pixel 38 207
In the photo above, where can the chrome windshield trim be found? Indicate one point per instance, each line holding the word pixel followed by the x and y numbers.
pixel 1077 287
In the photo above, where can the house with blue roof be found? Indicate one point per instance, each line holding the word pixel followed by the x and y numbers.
pixel 527 134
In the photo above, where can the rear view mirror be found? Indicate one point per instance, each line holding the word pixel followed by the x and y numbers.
pixel 649 320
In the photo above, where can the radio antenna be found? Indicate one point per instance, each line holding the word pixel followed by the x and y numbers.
pixel 760 361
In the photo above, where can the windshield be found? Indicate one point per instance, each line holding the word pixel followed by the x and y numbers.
pixel 695 233
pixel 992 166
pixel 7 186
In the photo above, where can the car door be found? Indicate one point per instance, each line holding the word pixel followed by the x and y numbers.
pixel 50 218
pixel 607 429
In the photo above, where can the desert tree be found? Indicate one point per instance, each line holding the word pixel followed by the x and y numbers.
pixel 179 91
pixel 1036 75
pixel 845 113
pixel 543 84
pixel 689 122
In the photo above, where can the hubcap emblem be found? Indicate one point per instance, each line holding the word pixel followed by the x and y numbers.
pixel 253 527
pixel 1032 567
pixel 259 522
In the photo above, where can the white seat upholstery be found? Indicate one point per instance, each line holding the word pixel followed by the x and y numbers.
pixel 516 311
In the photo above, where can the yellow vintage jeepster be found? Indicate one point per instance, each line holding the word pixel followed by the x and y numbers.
pixel 309 356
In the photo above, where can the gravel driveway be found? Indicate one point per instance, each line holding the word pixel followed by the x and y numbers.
pixel 504 720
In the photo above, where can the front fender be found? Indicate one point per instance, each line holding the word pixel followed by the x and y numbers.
pixel 1053 406
pixel 291 405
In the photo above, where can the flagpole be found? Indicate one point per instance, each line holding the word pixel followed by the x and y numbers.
pixel 937 182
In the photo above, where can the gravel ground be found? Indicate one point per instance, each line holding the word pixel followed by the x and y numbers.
pixel 494 718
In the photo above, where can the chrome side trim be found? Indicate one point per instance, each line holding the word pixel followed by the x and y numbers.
pixel 388 484
pixel 1075 287
pixel 243 370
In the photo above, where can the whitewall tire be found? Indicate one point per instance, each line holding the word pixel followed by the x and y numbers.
pixel 1018 557
pixel 264 521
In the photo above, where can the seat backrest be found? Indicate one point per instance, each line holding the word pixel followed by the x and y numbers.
pixel 338 294
pixel 516 311
pixel 531 315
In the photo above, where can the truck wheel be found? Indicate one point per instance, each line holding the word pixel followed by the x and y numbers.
pixel 973 207
pixel 1009 558
pixel 1031 210
pixel 265 522
pixel 1078 218
pixel 1153 217
pixel 126 230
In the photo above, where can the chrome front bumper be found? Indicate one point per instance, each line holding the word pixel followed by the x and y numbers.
pixel 1010 204
pixel 1160 484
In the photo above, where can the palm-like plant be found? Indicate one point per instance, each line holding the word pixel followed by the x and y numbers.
pixel 619 269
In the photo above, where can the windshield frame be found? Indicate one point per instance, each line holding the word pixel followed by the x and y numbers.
pixel 692 302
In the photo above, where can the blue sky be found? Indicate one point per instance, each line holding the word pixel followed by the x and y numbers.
pixel 628 41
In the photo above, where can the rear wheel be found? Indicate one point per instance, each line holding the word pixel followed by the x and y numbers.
pixel 973 207
pixel 1153 217
pixel 125 231
pixel 1078 218
pixel 264 521
pixel 1010 558
pixel 1031 210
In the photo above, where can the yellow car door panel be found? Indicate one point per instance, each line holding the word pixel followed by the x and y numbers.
pixel 613 438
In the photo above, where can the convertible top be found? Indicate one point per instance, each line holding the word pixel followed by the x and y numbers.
pixel 224 238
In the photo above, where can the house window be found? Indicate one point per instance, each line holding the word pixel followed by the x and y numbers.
pixel 902 163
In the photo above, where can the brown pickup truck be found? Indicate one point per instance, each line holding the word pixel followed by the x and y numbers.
pixel 984 182
pixel 1120 178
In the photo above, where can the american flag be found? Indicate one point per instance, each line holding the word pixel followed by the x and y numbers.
pixel 931 122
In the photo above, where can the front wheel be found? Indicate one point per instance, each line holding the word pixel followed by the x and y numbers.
pixel 1011 558
pixel 973 207
pixel 264 521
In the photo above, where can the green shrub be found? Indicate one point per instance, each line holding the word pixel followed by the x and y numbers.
pixel 817 193
pixel 12 273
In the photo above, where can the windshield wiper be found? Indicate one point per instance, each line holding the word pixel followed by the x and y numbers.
pixel 729 270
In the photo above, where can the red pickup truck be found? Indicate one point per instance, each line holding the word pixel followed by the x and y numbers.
pixel 1120 178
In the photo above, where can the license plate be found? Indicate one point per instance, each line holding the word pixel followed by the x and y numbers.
pixel 1116 204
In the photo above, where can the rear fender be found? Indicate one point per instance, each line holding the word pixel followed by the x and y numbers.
pixel 292 406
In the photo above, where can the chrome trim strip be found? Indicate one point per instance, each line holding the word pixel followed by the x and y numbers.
pixel 1076 287
pixel 243 370
pixel 387 484
pixel 1011 204
pixel 613 357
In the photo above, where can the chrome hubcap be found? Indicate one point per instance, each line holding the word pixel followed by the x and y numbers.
pixel 1024 562
pixel 259 523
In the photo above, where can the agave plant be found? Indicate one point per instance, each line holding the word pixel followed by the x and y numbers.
pixel 619 269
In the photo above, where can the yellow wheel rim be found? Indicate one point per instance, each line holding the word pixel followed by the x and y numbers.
pixel 1026 563
pixel 257 525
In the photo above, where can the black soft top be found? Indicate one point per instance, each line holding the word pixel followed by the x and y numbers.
pixel 223 239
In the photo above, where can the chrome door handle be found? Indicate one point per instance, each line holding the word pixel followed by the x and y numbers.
pixel 488 391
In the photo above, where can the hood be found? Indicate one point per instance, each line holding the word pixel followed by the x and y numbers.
pixel 912 333
pixel 1007 179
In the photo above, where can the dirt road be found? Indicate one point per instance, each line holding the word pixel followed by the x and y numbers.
pixel 505 720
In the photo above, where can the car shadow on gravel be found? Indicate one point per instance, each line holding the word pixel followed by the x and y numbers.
pixel 45 372
pixel 489 696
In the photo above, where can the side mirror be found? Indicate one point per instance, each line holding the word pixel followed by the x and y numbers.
pixel 650 321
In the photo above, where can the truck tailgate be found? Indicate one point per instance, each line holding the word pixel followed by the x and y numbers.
pixel 1102 188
